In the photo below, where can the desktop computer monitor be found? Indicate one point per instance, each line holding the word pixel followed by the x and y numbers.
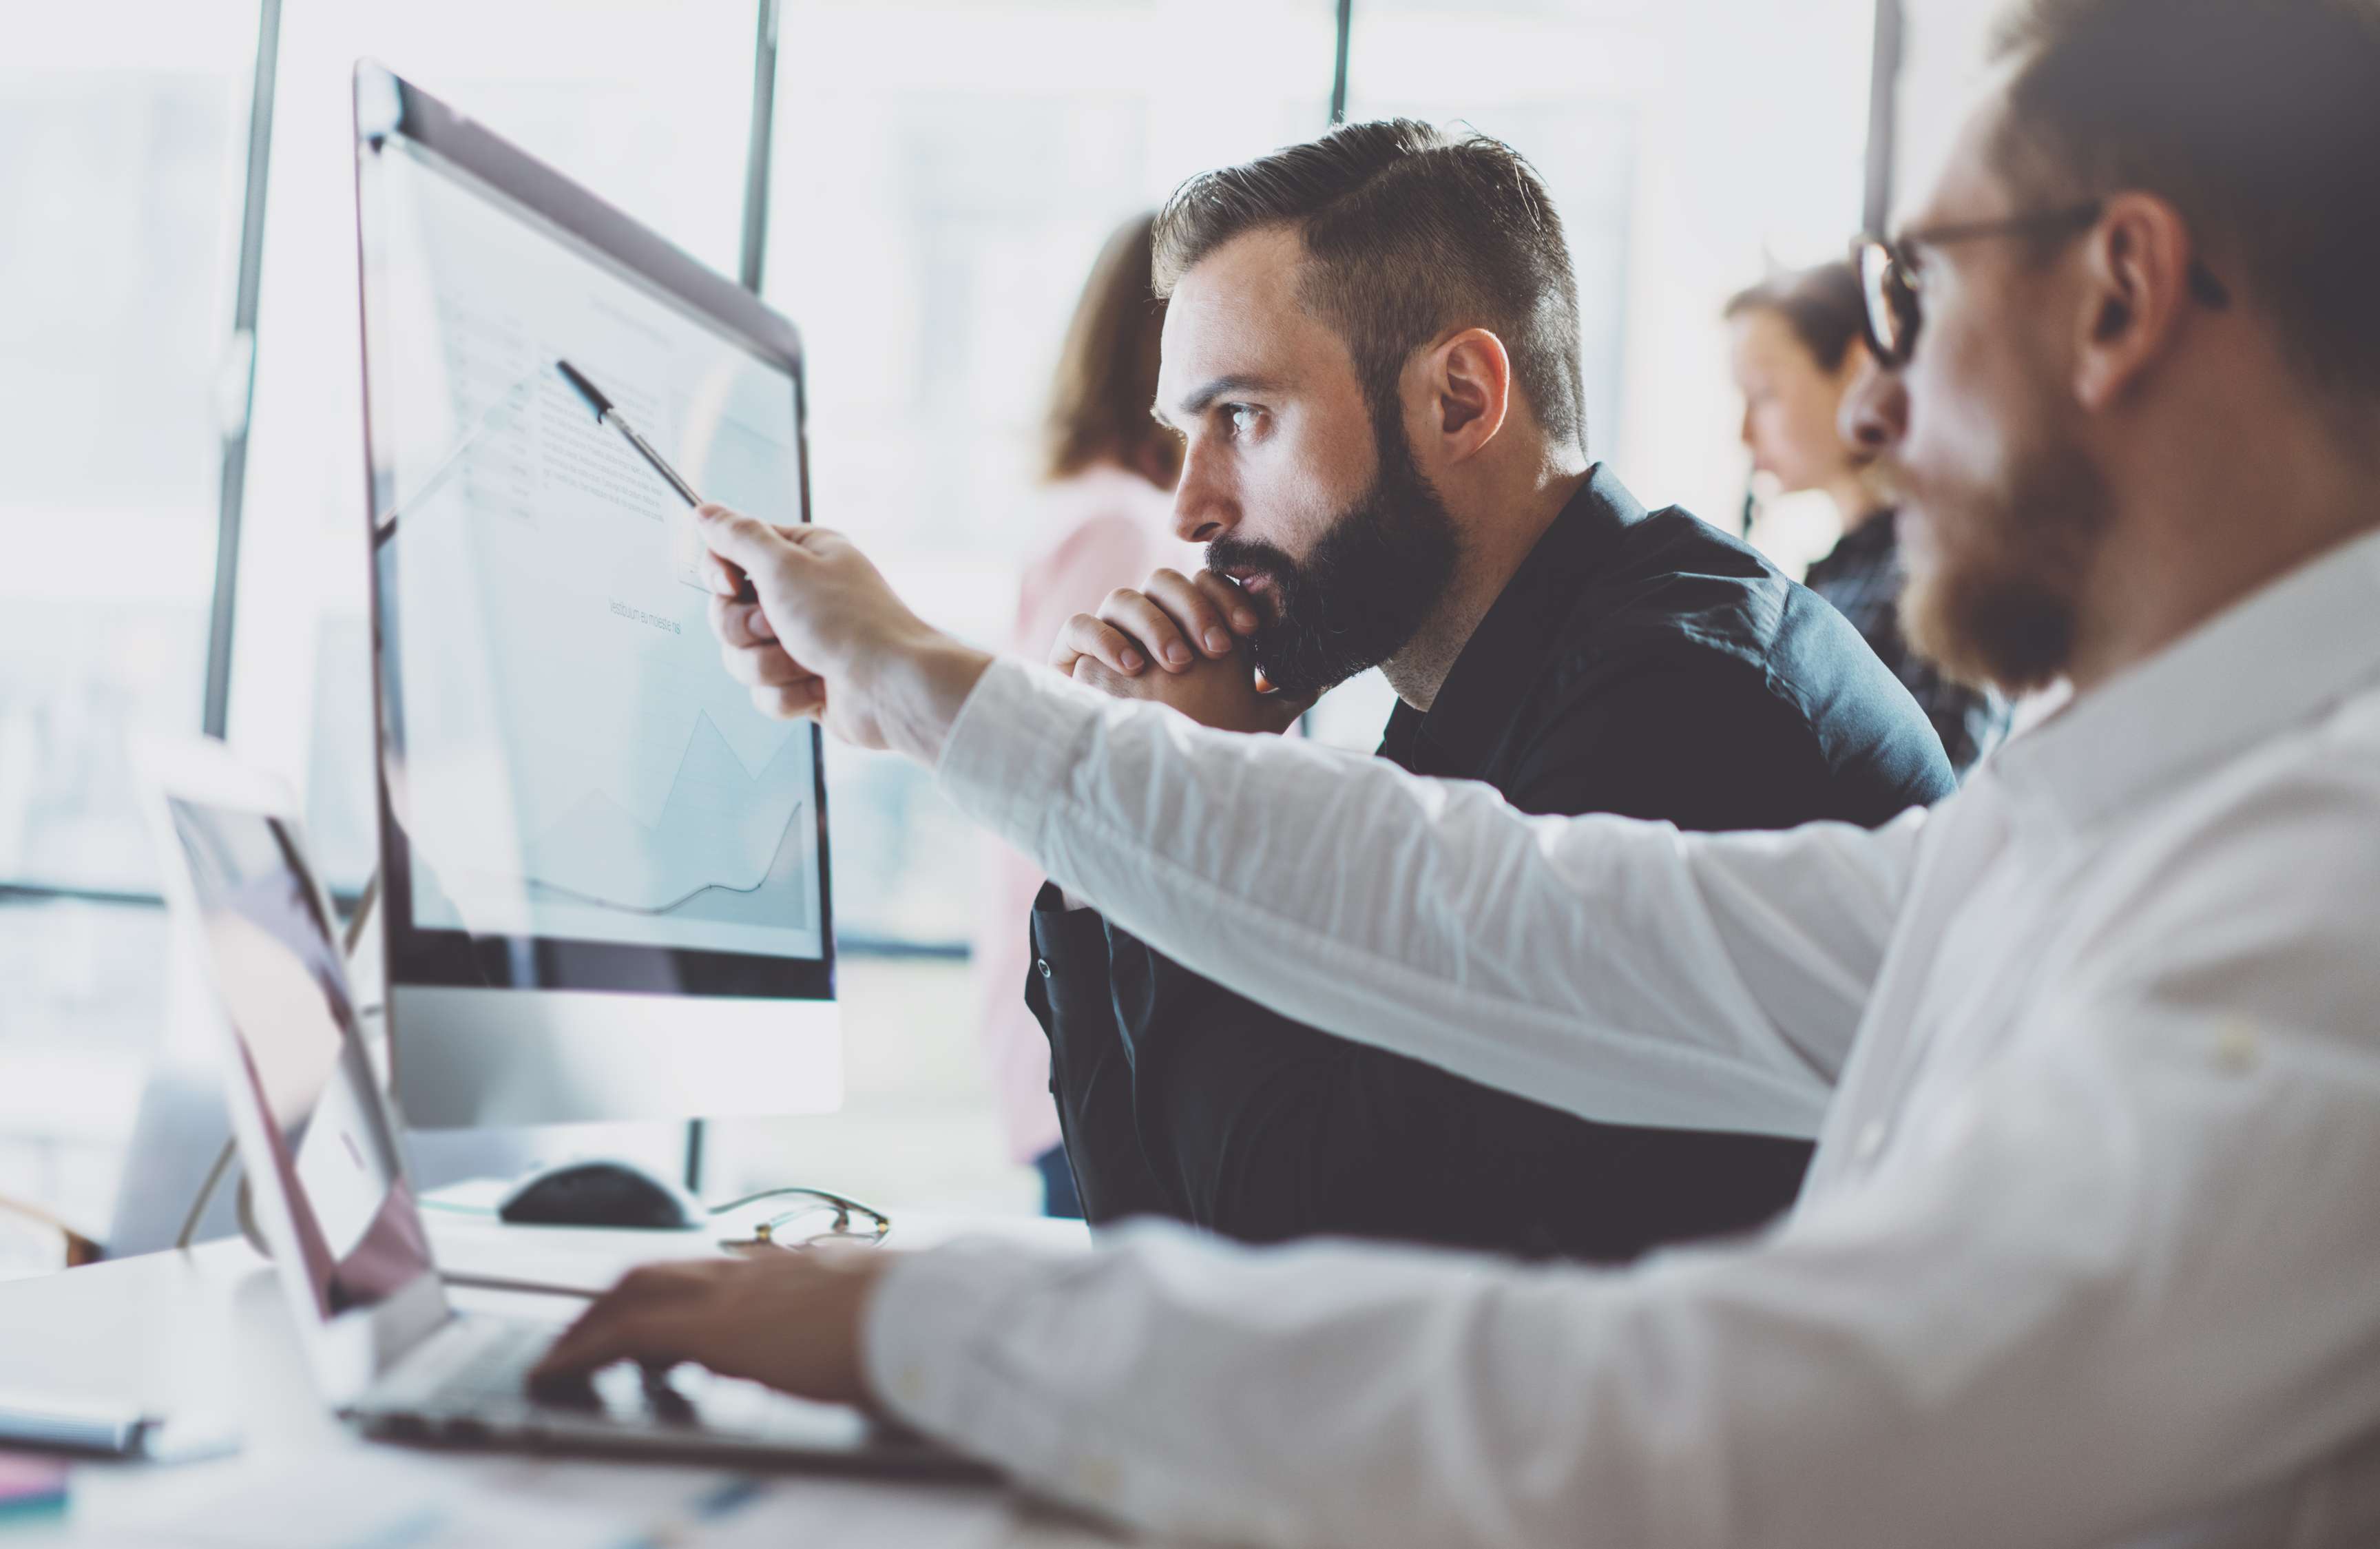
pixel 604 884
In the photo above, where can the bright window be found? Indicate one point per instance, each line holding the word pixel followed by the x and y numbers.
pixel 126 128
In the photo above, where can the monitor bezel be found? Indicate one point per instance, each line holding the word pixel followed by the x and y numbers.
pixel 389 107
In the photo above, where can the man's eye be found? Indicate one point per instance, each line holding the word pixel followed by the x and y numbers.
pixel 1242 417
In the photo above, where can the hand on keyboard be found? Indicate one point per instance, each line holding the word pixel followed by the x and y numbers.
pixel 788 1320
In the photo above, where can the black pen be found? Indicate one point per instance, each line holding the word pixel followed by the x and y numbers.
pixel 606 414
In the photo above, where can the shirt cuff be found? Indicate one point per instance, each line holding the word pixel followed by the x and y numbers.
pixel 928 1346
pixel 1006 760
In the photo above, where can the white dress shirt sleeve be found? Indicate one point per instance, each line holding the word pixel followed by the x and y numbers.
pixel 1616 969
pixel 2119 1273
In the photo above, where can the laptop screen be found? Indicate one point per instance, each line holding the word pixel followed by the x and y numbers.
pixel 281 981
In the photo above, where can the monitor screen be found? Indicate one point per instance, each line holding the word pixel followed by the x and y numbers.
pixel 280 977
pixel 576 793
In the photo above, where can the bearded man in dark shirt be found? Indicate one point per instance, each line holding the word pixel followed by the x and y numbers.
pixel 1371 351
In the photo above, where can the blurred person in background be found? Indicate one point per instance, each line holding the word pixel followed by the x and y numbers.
pixel 1106 519
pixel 1797 350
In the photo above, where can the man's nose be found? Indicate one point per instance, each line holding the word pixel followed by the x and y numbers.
pixel 1875 415
pixel 1203 510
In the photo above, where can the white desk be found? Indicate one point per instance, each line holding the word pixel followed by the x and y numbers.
pixel 210 1329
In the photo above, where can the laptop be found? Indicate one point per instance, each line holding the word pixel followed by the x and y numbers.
pixel 318 1137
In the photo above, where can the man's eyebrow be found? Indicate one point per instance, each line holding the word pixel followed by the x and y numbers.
pixel 1197 402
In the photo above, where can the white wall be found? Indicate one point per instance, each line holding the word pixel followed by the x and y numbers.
pixel 1942 67
pixel 1752 140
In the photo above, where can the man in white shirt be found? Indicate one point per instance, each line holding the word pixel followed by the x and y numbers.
pixel 2090 1253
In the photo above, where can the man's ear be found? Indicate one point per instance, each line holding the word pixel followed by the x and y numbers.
pixel 1468 382
pixel 2136 290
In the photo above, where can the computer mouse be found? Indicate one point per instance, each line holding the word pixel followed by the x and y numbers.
pixel 600 1193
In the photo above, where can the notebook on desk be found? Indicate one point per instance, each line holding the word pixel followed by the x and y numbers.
pixel 318 1137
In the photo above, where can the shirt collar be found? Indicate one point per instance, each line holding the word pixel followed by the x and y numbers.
pixel 2265 664
pixel 1500 664
pixel 1871 537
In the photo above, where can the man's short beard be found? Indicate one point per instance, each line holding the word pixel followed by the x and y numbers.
pixel 1367 586
pixel 2001 605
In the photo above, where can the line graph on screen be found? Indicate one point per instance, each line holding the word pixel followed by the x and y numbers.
pixel 727 844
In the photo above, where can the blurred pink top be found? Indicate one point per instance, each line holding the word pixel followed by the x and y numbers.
pixel 1102 529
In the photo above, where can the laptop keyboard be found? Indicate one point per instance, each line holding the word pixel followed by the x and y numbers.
pixel 472 1384
pixel 496 1375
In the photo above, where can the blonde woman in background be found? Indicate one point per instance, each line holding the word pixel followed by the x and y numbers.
pixel 1106 503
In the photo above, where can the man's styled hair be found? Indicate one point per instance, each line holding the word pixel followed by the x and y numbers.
pixel 2259 120
pixel 1823 306
pixel 1409 231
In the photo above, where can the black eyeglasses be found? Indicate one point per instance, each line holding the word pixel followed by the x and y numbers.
pixel 1889 272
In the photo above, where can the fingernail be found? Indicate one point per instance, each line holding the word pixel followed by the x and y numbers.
pixel 1218 641
pixel 1244 618
pixel 1133 661
pixel 1178 654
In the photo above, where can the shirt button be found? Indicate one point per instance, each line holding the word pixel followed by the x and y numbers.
pixel 1870 1141
pixel 1041 966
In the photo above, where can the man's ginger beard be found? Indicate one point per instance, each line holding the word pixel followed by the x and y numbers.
pixel 1997 600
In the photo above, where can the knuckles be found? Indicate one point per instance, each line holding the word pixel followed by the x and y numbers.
pixel 1076 636
pixel 1092 673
